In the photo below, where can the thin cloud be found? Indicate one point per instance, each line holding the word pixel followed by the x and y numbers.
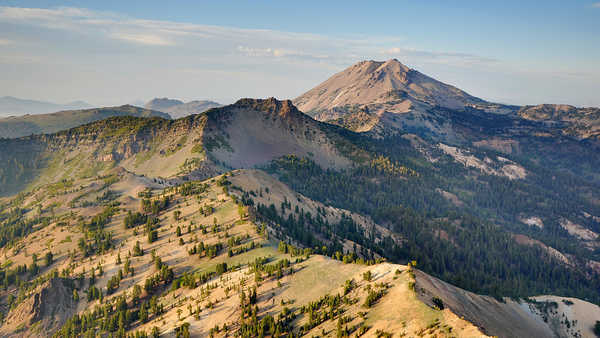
pixel 6 42
pixel 290 46
pixel 463 59
pixel 596 5
pixel 155 32
pixel 279 53
pixel 143 39
pixel 59 18
pixel 20 13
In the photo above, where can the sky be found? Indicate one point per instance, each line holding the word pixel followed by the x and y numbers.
pixel 115 52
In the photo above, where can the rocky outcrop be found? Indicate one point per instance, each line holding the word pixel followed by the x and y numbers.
pixel 43 312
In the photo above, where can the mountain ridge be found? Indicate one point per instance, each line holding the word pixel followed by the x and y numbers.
pixel 10 105
pixel 17 126
pixel 247 133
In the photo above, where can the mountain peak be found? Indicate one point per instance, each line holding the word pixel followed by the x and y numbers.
pixel 376 68
pixel 371 82
pixel 391 63
pixel 394 65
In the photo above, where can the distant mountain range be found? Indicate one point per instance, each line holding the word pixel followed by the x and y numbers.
pixel 17 126
pixel 19 117
pixel 177 108
pixel 12 106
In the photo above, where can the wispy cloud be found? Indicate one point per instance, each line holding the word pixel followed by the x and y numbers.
pixel 251 43
pixel 59 18
pixel 280 53
pixel 439 57
pixel 150 32
pixel 596 5
pixel 143 39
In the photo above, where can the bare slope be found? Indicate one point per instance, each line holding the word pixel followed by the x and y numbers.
pixel 374 82
pixel 543 316
pixel 253 132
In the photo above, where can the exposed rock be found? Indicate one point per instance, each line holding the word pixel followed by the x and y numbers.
pixel 42 313
pixel 524 240
pixel 253 132
pixel 577 230
pixel 501 167
pixel 533 221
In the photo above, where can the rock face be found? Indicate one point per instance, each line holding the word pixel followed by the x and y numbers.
pixel 254 131
pixel 42 313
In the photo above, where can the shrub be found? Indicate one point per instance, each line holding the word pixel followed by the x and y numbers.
pixel 438 303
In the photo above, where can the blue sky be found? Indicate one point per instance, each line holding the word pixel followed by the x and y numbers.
pixel 112 52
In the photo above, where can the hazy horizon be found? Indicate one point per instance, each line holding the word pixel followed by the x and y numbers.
pixel 110 54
